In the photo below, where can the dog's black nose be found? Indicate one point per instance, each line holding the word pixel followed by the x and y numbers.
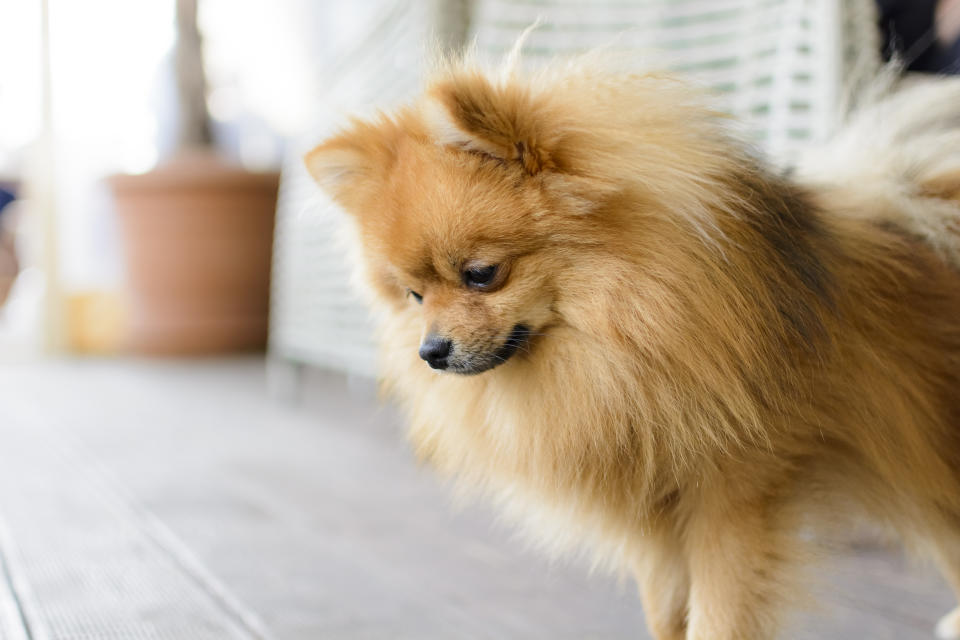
pixel 435 350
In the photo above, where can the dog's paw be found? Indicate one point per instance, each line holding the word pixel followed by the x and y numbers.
pixel 949 626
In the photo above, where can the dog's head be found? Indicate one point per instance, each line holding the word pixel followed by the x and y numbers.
pixel 459 200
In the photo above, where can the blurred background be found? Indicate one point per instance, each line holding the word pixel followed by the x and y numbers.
pixel 189 440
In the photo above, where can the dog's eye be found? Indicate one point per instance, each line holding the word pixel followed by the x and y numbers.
pixel 416 296
pixel 480 277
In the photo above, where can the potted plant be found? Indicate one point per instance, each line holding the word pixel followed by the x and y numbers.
pixel 197 231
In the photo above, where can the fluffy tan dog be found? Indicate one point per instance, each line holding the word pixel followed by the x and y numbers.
pixel 651 344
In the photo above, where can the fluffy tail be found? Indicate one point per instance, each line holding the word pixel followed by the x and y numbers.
pixel 907 131
pixel 898 157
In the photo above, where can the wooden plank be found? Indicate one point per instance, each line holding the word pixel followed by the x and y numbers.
pixel 315 520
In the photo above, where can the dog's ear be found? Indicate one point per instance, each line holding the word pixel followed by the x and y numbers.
pixel 347 165
pixel 334 164
pixel 506 123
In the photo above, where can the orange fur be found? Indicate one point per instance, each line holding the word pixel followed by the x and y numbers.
pixel 718 359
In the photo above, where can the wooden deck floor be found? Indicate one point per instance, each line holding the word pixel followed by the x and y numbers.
pixel 176 500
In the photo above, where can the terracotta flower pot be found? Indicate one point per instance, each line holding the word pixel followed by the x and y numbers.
pixel 197 238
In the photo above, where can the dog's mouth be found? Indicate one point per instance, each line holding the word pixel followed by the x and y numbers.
pixel 517 341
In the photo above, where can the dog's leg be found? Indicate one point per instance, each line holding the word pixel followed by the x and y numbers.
pixel 739 565
pixel 664 585
pixel 948 558
pixel 949 626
